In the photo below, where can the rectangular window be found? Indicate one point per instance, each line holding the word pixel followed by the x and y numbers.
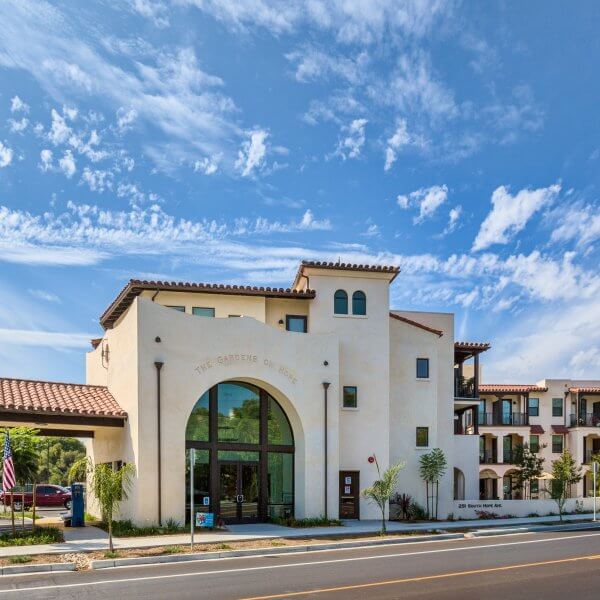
pixel 422 437
pixel 534 407
pixel 296 323
pixel 557 444
pixel 557 407
pixel 422 368
pixel 534 443
pixel 201 311
pixel 350 399
pixel 177 308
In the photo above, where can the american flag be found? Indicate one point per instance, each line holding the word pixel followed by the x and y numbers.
pixel 8 471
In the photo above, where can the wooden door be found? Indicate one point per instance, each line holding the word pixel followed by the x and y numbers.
pixel 349 495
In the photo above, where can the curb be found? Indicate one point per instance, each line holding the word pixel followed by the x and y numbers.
pixel 175 558
pixel 45 568
pixel 535 528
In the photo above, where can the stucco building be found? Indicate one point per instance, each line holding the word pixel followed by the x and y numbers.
pixel 282 393
pixel 550 416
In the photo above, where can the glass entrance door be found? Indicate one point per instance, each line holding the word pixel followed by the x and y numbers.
pixel 238 491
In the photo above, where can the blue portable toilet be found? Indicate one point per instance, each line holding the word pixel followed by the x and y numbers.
pixel 77 505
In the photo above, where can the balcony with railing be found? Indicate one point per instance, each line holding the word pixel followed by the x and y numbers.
pixel 515 418
pixel 464 387
pixel 489 457
pixel 584 420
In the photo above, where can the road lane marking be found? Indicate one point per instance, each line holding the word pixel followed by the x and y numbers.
pixel 359 586
pixel 282 566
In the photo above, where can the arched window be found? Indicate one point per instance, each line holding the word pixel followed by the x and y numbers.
pixel 359 303
pixel 340 303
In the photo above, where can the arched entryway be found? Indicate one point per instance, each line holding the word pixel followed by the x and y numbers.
pixel 244 454
pixel 459 484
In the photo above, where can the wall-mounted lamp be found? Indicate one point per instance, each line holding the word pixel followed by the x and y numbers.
pixel 157 340
pixel 280 321
pixel 326 363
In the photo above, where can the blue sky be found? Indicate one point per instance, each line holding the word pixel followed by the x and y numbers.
pixel 225 140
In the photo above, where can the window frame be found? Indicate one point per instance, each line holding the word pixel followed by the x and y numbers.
pixel 304 318
pixel 426 377
pixel 350 387
pixel 537 408
pixel 560 407
pixel 178 308
pixel 537 443
pixel 194 308
pixel 335 299
pixel 421 429
pixel 557 436
pixel 364 299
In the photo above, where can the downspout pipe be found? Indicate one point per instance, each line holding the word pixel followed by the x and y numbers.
pixel 326 385
pixel 159 366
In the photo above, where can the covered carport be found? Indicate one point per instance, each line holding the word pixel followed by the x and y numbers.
pixel 86 412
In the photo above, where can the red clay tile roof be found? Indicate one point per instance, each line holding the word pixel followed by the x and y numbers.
pixel 508 388
pixel 585 390
pixel 135 287
pixel 31 396
pixel 95 342
pixel 536 430
pixel 468 346
pixel 416 324
pixel 340 266
pixel 560 429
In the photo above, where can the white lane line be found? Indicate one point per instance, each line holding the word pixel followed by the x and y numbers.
pixel 285 566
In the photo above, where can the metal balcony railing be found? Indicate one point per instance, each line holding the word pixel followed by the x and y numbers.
pixel 488 458
pixel 584 420
pixel 504 419
pixel 465 388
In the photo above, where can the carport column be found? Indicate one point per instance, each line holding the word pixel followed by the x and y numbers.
pixel 158 366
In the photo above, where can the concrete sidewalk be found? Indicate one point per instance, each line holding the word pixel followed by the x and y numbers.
pixel 86 539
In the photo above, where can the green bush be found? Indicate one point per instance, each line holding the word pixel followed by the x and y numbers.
pixel 416 512
pixel 20 559
pixel 127 529
pixel 42 535
pixel 309 522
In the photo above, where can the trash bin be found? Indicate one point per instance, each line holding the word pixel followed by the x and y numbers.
pixel 77 505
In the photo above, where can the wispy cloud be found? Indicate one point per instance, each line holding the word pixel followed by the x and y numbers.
pixel 352 140
pixel 510 214
pixel 52 339
pixel 427 199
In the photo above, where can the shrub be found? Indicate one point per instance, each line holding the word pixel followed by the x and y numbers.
pixel 402 501
pixel 308 522
pixel 42 535
pixel 19 559
pixel 486 514
pixel 416 512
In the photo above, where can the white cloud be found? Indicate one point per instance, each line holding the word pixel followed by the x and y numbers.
pixel 372 231
pixel 125 118
pixel 309 223
pixel 578 222
pixel 207 165
pixel 313 64
pixel 395 143
pixel 68 74
pixel 510 214
pixel 59 130
pixel 351 22
pixel 51 339
pixel 427 199
pixel 44 295
pixel 6 155
pixel 17 105
pixel 354 139
pixel 586 361
pixel 18 126
pixel 155 10
pixel 67 164
pixel 46 160
pixel 251 156
pixel 453 219
pixel 97 180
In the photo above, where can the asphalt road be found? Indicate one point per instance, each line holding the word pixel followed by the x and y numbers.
pixel 528 566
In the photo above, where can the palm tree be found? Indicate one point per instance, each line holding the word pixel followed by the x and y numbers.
pixel 432 468
pixel 383 489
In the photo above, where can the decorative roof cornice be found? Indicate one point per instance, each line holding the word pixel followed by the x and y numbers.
pixel 398 317
pixel 509 388
pixel 340 266
pixel 135 287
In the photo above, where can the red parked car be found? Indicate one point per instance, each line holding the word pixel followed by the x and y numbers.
pixel 46 495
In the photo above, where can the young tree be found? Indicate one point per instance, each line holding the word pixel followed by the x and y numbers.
pixel 432 468
pixel 110 488
pixel 565 472
pixel 383 488
pixel 529 466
